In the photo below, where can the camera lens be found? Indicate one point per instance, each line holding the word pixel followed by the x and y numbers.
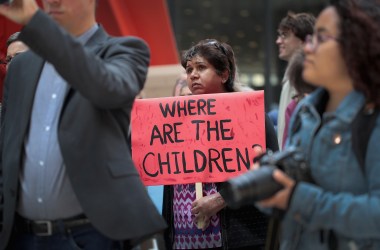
pixel 251 186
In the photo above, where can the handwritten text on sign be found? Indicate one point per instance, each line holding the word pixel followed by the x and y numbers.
pixel 200 138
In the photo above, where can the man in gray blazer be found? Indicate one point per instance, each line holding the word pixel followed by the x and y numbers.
pixel 67 180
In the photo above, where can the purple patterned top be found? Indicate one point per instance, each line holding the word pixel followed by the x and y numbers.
pixel 186 233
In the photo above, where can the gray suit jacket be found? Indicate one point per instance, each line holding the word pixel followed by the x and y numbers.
pixel 104 77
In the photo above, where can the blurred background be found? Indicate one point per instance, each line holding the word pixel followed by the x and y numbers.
pixel 249 26
pixel 171 26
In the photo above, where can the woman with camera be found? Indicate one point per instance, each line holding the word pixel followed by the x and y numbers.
pixel 341 208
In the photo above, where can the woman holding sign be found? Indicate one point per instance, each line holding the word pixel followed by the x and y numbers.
pixel 210 68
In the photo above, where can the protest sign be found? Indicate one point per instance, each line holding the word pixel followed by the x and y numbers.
pixel 200 138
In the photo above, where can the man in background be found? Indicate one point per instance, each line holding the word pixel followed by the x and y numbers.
pixel 67 180
pixel 292 32
pixel 14 47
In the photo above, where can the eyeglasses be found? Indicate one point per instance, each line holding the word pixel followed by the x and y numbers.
pixel 313 41
pixel 7 60
pixel 283 35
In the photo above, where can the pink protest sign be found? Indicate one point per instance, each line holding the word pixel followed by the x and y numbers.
pixel 200 138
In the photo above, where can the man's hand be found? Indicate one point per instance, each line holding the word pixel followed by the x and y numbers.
pixel 19 11
pixel 206 207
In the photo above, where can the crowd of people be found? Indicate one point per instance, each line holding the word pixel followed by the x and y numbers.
pixel 67 179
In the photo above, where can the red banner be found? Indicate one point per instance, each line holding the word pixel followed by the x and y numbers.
pixel 199 138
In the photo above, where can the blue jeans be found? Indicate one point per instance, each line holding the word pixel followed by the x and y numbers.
pixel 84 237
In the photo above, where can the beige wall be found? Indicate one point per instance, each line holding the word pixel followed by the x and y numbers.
pixel 161 80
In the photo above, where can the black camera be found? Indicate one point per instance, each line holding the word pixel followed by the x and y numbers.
pixel 259 184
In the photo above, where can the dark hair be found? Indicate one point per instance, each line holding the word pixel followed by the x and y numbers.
pixel 359 39
pixel 13 38
pixel 301 24
pixel 294 74
pixel 219 55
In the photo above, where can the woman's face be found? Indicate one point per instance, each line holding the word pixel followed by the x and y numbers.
pixel 324 65
pixel 202 77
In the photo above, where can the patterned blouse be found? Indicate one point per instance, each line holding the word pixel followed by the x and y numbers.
pixel 186 233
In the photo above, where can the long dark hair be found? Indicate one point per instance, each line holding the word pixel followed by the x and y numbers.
pixel 359 39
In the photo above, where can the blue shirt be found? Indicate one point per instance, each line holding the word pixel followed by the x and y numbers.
pixel 46 192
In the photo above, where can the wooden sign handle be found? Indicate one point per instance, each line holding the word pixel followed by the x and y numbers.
pixel 198 195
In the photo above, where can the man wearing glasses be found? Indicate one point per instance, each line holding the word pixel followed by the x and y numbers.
pixel 14 47
pixel 292 32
